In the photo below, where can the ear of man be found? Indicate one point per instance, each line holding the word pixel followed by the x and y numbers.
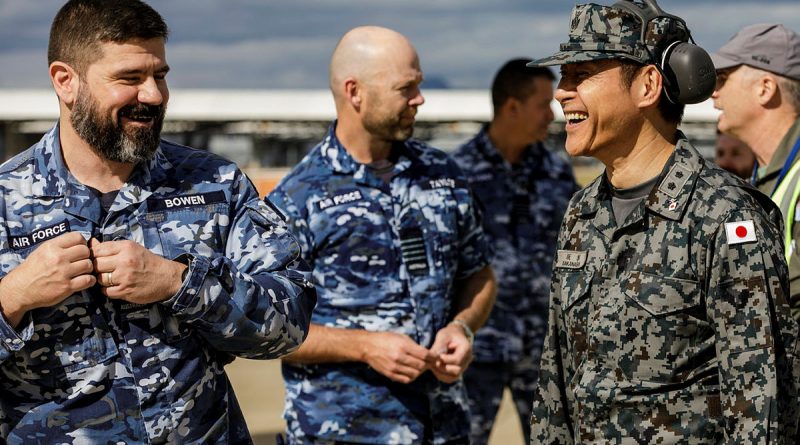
pixel 65 82
pixel 766 89
pixel 647 87
pixel 511 107
pixel 352 92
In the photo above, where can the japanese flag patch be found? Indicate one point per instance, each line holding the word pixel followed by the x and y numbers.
pixel 740 232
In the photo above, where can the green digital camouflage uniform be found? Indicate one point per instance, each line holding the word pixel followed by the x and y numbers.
pixel 672 326
pixel 662 329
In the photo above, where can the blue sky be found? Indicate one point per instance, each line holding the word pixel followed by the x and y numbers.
pixel 287 43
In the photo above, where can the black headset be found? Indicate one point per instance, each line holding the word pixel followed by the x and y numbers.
pixel 686 68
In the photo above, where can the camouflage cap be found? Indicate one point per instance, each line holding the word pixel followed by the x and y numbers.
pixel 606 32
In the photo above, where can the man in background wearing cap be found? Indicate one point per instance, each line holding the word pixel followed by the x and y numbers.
pixel 758 91
pixel 667 319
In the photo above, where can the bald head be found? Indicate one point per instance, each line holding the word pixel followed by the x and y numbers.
pixel 367 54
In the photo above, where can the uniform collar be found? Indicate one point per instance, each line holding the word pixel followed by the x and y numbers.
pixel 531 158
pixel 340 161
pixel 50 170
pixel 673 190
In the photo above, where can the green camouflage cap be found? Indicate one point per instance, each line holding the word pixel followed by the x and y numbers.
pixel 606 32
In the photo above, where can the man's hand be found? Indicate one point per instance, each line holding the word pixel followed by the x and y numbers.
pixel 56 269
pixel 128 271
pixel 454 351
pixel 396 356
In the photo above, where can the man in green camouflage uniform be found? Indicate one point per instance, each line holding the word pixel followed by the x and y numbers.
pixel 668 320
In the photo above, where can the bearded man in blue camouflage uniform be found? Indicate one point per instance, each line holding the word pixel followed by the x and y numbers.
pixel 669 321
pixel 133 269
pixel 524 189
pixel 394 241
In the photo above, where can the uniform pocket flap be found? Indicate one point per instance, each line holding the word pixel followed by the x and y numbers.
pixel 575 286
pixel 661 295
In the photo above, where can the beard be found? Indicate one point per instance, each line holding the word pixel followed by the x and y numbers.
pixel 109 138
pixel 386 124
pixel 388 127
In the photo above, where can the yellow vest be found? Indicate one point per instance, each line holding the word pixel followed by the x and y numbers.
pixel 785 197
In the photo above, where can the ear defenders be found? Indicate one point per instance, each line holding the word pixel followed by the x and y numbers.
pixel 687 69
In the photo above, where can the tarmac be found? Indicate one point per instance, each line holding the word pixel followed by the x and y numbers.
pixel 259 389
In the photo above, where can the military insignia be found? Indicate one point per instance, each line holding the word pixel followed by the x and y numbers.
pixel 412 247
pixel 740 232
pixel 675 180
pixel 673 204
pixel 571 259
pixel 39 235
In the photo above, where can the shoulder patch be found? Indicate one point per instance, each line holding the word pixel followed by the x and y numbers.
pixel 740 232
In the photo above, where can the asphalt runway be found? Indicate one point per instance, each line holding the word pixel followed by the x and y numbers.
pixel 259 389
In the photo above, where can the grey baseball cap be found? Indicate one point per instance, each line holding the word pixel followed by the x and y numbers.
pixel 766 46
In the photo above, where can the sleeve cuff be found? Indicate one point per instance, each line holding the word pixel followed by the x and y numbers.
pixel 189 292
pixel 10 340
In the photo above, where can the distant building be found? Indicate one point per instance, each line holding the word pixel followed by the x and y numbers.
pixel 268 131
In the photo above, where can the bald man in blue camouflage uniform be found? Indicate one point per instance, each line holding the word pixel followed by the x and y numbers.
pixel 394 240
pixel 669 320
pixel 524 189
pixel 132 270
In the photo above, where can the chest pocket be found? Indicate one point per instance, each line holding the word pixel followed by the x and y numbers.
pixel 354 253
pixel 438 220
pixel 574 290
pixel 662 322
pixel 195 224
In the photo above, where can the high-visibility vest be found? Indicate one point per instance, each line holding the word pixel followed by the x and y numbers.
pixel 785 197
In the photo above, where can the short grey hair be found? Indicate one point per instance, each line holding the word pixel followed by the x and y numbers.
pixel 791 91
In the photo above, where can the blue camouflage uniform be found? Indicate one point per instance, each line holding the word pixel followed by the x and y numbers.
pixel 523 207
pixel 94 370
pixel 385 257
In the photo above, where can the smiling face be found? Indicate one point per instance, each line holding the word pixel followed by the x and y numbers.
pixel 601 115
pixel 121 101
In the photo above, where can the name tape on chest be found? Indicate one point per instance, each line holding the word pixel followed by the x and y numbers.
pixel 571 259
pixel 339 199
pixel 740 232
pixel 442 183
pixel 182 202
pixel 39 235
